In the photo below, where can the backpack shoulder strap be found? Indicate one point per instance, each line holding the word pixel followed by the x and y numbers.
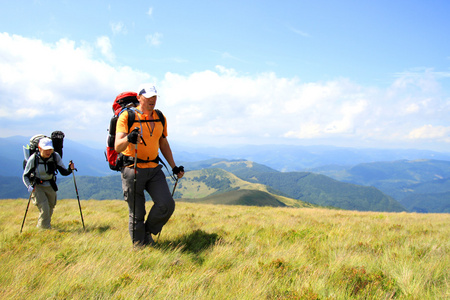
pixel 32 165
pixel 53 161
pixel 131 116
pixel 54 157
pixel 161 117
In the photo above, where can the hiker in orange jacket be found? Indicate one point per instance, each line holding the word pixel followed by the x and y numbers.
pixel 142 142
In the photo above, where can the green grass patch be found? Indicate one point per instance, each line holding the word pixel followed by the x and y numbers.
pixel 224 252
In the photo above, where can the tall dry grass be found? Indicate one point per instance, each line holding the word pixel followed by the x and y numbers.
pixel 225 252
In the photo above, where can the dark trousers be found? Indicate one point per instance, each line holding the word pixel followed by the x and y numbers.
pixel 154 182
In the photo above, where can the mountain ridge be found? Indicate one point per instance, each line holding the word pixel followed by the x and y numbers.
pixel 293 189
pixel 425 177
pixel 285 158
pixel 419 185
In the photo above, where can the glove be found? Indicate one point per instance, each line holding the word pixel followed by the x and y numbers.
pixel 177 170
pixel 132 137
pixel 72 167
pixel 30 188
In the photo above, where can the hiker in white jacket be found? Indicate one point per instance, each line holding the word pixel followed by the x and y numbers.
pixel 40 180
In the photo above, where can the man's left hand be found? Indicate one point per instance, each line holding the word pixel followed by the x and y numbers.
pixel 179 171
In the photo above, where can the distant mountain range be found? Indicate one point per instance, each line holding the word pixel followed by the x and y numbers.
pixel 263 187
pixel 335 177
pixel 88 161
pixel 419 185
pixel 285 158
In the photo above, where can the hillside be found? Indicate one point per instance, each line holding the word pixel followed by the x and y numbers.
pixel 312 188
pixel 293 189
pixel 400 179
pixel 90 187
pixel 12 187
pixel 222 187
pixel 428 203
pixel 426 183
pixel 324 191
pixel 241 197
pixel 250 198
pixel 202 183
pixel 224 252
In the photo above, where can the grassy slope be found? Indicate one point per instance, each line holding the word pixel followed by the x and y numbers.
pixel 242 197
pixel 250 198
pixel 190 188
pixel 225 252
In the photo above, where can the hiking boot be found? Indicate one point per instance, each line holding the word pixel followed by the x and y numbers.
pixel 148 240
pixel 41 227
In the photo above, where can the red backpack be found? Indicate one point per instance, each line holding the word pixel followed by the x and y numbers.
pixel 119 105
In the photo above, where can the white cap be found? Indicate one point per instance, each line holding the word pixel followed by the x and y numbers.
pixel 45 144
pixel 147 90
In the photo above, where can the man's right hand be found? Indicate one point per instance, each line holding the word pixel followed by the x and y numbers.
pixel 30 188
pixel 133 136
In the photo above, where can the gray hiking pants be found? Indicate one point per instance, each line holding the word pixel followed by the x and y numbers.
pixel 44 197
pixel 154 182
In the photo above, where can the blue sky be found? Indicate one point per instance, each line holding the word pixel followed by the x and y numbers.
pixel 343 73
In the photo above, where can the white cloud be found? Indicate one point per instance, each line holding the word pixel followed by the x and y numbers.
pixel 154 39
pixel 298 32
pixel 412 108
pixel 431 132
pixel 58 85
pixel 118 28
pixel 62 86
pixel 424 80
pixel 104 44
pixel 268 108
pixel 150 11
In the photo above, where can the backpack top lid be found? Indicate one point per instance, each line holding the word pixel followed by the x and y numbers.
pixel 57 138
pixel 58 141
pixel 34 141
pixel 122 100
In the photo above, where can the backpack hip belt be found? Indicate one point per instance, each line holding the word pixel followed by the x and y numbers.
pixel 52 182
pixel 129 160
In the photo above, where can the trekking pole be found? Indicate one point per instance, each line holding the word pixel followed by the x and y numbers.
pixel 134 186
pixel 174 187
pixel 78 197
pixel 26 211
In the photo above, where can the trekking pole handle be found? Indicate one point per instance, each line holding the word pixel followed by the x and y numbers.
pixel 71 162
